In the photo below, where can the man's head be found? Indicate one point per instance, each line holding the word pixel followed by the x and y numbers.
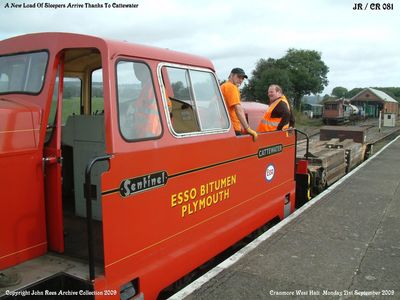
pixel 274 92
pixel 237 76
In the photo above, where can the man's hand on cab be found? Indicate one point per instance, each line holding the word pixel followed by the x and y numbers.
pixel 252 133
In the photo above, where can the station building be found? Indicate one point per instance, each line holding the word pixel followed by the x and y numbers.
pixel 371 101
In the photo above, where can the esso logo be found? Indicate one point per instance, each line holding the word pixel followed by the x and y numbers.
pixel 270 172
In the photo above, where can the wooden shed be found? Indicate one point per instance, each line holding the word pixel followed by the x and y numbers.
pixel 313 110
pixel 370 101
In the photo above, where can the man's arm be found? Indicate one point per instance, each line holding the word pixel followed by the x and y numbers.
pixel 242 118
pixel 281 111
pixel 240 114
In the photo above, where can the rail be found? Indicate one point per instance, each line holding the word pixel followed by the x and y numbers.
pixel 88 197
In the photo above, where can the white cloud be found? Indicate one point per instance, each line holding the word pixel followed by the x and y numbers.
pixel 361 48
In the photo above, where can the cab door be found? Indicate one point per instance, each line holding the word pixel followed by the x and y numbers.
pixel 52 162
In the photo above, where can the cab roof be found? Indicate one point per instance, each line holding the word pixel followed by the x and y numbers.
pixel 56 41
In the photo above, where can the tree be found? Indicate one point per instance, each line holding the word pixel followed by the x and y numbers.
pixel 326 97
pixel 266 72
pixel 256 81
pixel 307 72
pixel 393 92
pixel 299 73
pixel 180 91
pixel 353 92
pixel 339 92
pixel 257 89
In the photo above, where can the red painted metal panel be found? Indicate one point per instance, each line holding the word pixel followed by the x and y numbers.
pixel 23 230
pixel 255 112
pixel 19 126
pixel 53 189
pixel 155 236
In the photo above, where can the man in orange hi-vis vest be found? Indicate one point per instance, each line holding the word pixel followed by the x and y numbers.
pixel 279 115
pixel 148 120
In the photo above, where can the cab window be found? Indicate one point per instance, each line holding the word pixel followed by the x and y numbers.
pixel 71 102
pixel 23 73
pixel 96 92
pixel 137 106
pixel 72 98
pixel 194 100
pixel 183 109
pixel 209 102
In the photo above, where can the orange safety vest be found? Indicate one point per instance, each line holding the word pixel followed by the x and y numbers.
pixel 148 113
pixel 271 124
pixel 169 103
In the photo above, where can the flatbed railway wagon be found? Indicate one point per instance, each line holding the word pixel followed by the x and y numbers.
pixel 122 157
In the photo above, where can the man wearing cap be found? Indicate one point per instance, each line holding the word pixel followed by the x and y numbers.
pixel 231 93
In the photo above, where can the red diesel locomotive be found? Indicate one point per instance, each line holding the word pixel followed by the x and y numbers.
pixel 120 171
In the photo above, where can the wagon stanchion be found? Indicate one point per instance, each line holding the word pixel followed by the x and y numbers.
pixel 307 140
pixel 302 177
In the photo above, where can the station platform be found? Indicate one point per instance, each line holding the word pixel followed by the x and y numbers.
pixel 343 244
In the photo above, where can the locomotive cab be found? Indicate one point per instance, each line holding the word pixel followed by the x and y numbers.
pixel 140 134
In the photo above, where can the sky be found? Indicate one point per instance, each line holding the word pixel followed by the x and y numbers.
pixel 360 47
